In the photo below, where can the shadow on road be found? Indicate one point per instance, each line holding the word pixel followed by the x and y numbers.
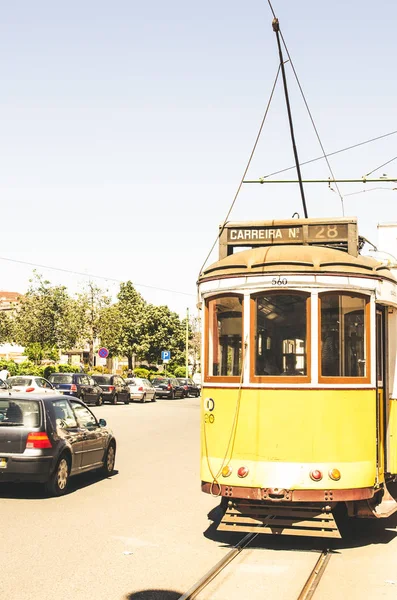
pixel 355 533
pixel 154 595
pixel 36 491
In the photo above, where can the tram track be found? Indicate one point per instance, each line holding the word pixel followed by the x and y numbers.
pixel 307 592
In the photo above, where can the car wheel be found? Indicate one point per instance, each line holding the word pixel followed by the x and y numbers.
pixel 172 395
pixel 143 399
pixel 154 398
pixel 58 482
pixel 109 460
pixel 82 397
pixel 115 399
pixel 99 401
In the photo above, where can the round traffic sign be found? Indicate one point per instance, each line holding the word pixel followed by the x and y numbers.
pixel 103 352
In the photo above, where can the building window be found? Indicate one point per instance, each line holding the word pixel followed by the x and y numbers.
pixel 225 331
pixel 344 323
pixel 280 338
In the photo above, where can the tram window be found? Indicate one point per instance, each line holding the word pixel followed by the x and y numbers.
pixel 281 335
pixel 225 325
pixel 343 335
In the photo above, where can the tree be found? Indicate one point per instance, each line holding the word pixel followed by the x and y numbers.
pixel 91 304
pixel 47 319
pixel 6 327
pixel 131 307
pixel 162 329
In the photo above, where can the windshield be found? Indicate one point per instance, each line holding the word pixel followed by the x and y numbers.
pixel 61 378
pixel 101 379
pixel 19 381
pixel 19 412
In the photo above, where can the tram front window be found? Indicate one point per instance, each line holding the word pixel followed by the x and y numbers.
pixel 225 325
pixel 281 335
pixel 343 335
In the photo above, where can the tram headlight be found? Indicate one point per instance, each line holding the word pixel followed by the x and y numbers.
pixel 226 471
pixel 243 471
pixel 316 475
pixel 334 474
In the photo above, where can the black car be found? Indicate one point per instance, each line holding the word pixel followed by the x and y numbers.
pixel 191 388
pixel 79 385
pixel 114 388
pixel 168 387
pixel 47 439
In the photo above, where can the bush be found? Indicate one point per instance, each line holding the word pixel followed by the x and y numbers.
pixel 140 372
pixel 29 368
pixel 62 368
pixel 10 365
pixel 48 370
pixel 180 372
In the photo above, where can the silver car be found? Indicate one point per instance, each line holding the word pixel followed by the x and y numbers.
pixel 141 389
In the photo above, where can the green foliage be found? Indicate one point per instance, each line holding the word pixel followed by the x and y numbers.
pixel 36 352
pixel 48 369
pixel 139 372
pixel 10 365
pixel 99 370
pixel 180 372
pixel 66 368
pixel 6 327
pixel 30 368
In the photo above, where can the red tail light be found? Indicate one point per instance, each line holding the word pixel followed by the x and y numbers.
pixel 29 389
pixel 73 387
pixel 169 386
pixel 111 388
pixel 140 389
pixel 38 439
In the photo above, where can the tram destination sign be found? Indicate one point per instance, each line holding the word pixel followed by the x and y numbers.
pixel 295 231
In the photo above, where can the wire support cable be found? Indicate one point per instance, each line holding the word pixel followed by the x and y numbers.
pixel 245 171
pixel 380 166
pixel 310 114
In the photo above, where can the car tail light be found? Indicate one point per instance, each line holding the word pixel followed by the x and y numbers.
pixel 73 387
pixel 185 387
pixel 243 472
pixel 169 386
pixel 316 475
pixel 111 388
pixel 38 439
pixel 140 389
pixel 29 389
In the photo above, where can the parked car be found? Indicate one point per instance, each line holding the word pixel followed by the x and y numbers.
pixel 168 387
pixel 191 389
pixel 79 385
pixel 141 389
pixel 31 383
pixel 113 387
pixel 4 385
pixel 48 439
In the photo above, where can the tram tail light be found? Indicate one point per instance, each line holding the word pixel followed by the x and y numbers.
pixel 226 471
pixel 334 474
pixel 316 475
pixel 243 471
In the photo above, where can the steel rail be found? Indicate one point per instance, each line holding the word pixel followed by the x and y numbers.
pixel 212 573
pixel 315 576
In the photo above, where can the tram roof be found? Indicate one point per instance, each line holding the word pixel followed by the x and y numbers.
pixel 295 259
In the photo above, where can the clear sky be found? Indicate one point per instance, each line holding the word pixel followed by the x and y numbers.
pixel 125 128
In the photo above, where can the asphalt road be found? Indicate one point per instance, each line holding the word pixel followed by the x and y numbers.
pixel 146 528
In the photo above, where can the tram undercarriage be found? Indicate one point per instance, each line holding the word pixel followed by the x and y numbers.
pixel 281 514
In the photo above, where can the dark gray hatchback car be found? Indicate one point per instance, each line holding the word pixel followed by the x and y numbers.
pixel 49 439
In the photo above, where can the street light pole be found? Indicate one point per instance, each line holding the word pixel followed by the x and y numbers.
pixel 187 343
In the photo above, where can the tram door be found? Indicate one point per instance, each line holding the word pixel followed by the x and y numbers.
pixel 380 390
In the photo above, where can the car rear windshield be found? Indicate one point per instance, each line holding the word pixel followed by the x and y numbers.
pixel 61 378
pixel 159 380
pixel 130 381
pixel 19 381
pixel 20 412
pixel 101 379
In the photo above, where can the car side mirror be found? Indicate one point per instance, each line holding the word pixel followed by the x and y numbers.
pixel 102 423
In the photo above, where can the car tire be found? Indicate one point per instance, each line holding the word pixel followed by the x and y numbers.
pixel 109 460
pixel 154 398
pixel 99 401
pixel 172 395
pixel 115 399
pixel 143 399
pixel 127 400
pixel 82 397
pixel 58 483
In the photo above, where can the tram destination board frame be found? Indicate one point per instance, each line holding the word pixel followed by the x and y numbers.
pixel 338 232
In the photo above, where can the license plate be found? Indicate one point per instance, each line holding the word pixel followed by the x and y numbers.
pixel 3 463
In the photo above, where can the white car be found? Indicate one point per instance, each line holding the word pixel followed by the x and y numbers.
pixel 141 389
pixel 31 383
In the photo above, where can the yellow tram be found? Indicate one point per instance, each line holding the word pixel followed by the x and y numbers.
pixel 299 394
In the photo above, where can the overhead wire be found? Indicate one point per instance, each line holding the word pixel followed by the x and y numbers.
pixel 384 164
pixel 245 170
pixel 310 114
pixel 379 137
pixel 70 271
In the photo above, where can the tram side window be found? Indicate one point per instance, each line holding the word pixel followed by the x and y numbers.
pixel 343 334
pixel 225 325
pixel 281 335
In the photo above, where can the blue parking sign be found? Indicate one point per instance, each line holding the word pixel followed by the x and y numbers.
pixel 165 354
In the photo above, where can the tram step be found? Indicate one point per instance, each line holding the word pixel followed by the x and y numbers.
pixel 257 517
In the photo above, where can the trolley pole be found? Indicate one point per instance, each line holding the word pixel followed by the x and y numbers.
pixel 276 29
pixel 187 343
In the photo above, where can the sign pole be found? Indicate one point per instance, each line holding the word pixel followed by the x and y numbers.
pixel 187 343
